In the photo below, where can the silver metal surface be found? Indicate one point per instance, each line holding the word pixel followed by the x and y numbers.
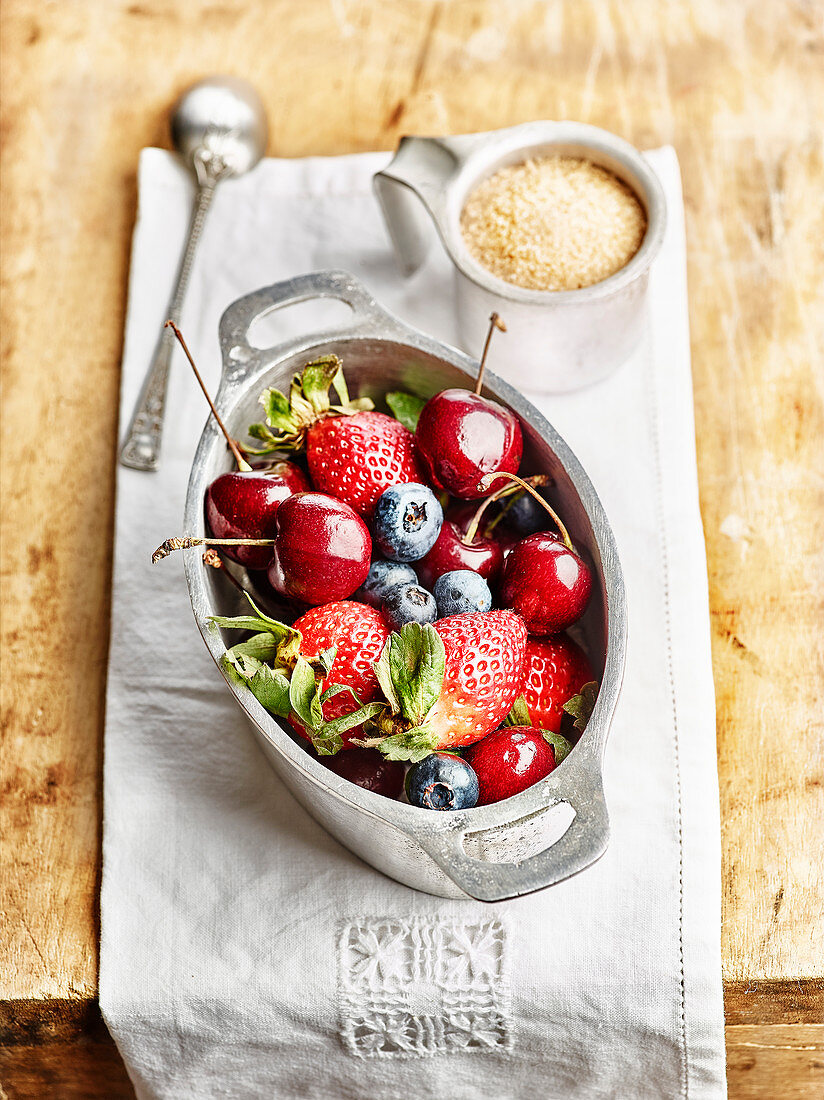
pixel 219 129
pixel 558 340
pixel 539 837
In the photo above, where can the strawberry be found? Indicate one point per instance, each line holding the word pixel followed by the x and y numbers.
pixel 355 458
pixel 317 674
pixel 353 452
pixel 449 684
pixel 484 661
pixel 555 669
pixel 358 634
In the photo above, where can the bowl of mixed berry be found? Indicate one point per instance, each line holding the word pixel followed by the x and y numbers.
pixel 410 586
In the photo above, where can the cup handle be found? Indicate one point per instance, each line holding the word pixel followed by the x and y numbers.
pixel 412 192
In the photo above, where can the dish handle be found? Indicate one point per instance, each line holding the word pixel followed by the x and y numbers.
pixel 241 359
pixel 500 861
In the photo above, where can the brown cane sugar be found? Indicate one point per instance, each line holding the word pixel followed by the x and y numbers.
pixel 553 223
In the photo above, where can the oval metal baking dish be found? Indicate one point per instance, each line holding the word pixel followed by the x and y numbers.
pixel 539 837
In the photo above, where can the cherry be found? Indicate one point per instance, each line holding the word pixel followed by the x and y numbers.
pixel 320 552
pixel 368 769
pixel 244 503
pixel 546 582
pixel 322 549
pixel 508 761
pixel 467 540
pixel 483 555
pixel 461 436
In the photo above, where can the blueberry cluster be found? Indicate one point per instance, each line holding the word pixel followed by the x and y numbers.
pixel 405 526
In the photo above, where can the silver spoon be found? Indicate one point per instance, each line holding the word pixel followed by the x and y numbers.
pixel 219 129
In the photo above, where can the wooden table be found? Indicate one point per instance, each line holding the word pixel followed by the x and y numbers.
pixel 735 88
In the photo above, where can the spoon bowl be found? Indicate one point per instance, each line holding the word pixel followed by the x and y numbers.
pixel 220 122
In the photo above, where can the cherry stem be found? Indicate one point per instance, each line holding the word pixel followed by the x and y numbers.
pixel 242 464
pixel 185 544
pixel 215 561
pixel 469 534
pixel 505 491
pixel 494 322
pixel 487 480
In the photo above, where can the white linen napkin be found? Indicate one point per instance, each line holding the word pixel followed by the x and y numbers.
pixel 244 952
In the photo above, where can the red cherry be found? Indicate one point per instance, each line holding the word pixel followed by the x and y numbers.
pixel 322 549
pixel 546 583
pixel 462 436
pixel 243 505
pixel 368 769
pixel 508 761
pixel 450 552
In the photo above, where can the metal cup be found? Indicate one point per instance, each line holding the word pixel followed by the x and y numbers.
pixel 558 340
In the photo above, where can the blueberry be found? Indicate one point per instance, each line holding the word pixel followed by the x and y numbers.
pixel 442 781
pixel 409 603
pixel 407 522
pixel 526 516
pixel 382 576
pixel 460 591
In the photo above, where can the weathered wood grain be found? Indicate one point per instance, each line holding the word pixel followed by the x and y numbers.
pixel 736 87
pixel 782 1060
pixel 785 1061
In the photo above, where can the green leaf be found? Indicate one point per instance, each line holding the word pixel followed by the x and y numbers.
pixel 287 637
pixel 240 622
pixel 271 689
pixel 406 407
pixel 241 667
pixel 340 387
pixel 326 658
pixel 260 431
pixel 303 695
pixel 261 647
pixel 580 706
pixel 384 675
pixel 316 378
pixel 346 722
pixel 336 689
pixel 519 715
pixel 360 404
pixel 302 410
pixel 412 745
pixel 326 744
pixel 278 413
pixel 560 746
pixel 417 661
pixel 270 448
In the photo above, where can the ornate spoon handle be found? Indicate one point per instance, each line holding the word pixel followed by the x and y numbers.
pixel 141 448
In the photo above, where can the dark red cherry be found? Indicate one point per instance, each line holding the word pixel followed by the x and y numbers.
pixel 368 769
pixel 461 513
pixel 322 549
pixel 546 583
pixel 462 436
pixel 508 761
pixel 243 505
pixel 484 556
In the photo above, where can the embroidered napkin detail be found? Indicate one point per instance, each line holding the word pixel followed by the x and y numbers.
pixel 417 986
